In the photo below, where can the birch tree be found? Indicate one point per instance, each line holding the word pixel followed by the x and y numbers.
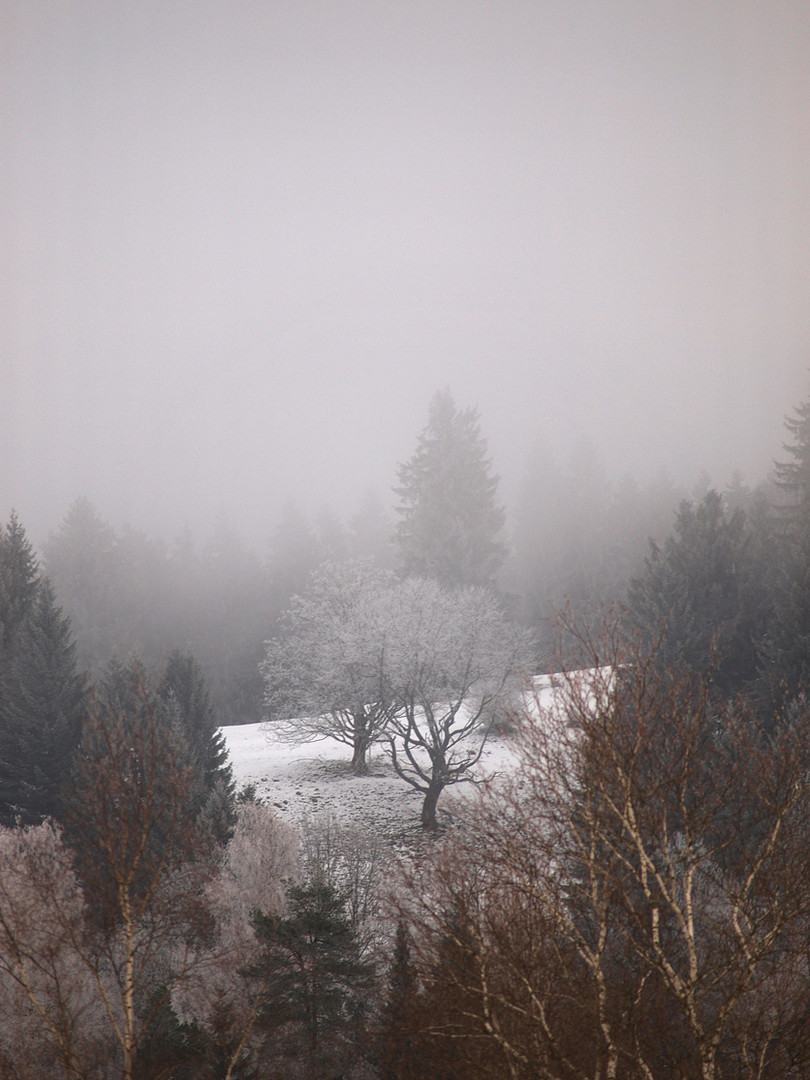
pixel 143 853
pixel 633 902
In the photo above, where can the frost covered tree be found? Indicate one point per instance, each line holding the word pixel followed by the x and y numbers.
pixel 52 1022
pixel 223 1000
pixel 415 663
pixel 454 659
pixel 450 523
pixel 329 670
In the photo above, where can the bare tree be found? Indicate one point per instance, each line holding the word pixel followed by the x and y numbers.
pixel 329 670
pixel 95 934
pixel 354 862
pixel 632 902
pixel 454 660
pixel 52 1019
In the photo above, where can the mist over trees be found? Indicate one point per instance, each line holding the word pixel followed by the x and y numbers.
pixel 450 522
pixel 573 536
pixel 631 902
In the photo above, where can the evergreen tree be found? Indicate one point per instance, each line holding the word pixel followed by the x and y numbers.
pixel 793 477
pixel 398 1050
pixel 293 552
pixel 370 529
pixel 450 523
pixel 19 580
pixel 700 591
pixel 184 695
pixel 43 701
pixel 314 984
pixel 42 694
pixel 83 561
pixel 785 650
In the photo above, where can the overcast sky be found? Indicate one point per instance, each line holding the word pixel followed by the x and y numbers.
pixel 244 241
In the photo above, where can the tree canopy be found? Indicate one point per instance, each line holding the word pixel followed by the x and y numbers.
pixel 415 663
pixel 329 670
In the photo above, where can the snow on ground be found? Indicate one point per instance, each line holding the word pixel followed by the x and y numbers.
pixel 315 778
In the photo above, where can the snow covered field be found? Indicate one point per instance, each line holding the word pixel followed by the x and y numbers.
pixel 315 778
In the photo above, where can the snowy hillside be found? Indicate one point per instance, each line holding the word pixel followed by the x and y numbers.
pixel 315 778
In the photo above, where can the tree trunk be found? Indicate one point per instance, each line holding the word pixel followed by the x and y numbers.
pixel 359 763
pixel 361 744
pixel 428 816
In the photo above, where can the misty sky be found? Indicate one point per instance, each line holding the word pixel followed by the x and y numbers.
pixel 244 241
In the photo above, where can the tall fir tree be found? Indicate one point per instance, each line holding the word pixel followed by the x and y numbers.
pixel 450 523
pixel 185 699
pixel 793 477
pixel 398 1051
pixel 83 560
pixel 42 693
pixel 700 594
pixel 19 580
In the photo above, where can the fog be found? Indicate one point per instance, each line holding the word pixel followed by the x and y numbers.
pixel 244 243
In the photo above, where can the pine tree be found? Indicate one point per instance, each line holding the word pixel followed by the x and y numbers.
pixel 450 523
pixel 699 591
pixel 399 1055
pixel 793 477
pixel 42 694
pixel 785 650
pixel 19 580
pixel 83 560
pixel 314 983
pixel 186 700
pixel 43 701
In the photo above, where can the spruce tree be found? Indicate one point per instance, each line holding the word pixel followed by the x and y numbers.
pixel 314 984
pixel 793 477
pixel 398 1051
pixel 19 580
pixel 43 700
pixel 186 701
pixel 700 596
pixel 42 694
pixel 785 650
pixel 450 523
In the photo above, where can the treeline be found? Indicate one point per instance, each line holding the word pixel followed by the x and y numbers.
pixel 571 535
pixel 156 926
pixel 127 594
pixel 631 903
